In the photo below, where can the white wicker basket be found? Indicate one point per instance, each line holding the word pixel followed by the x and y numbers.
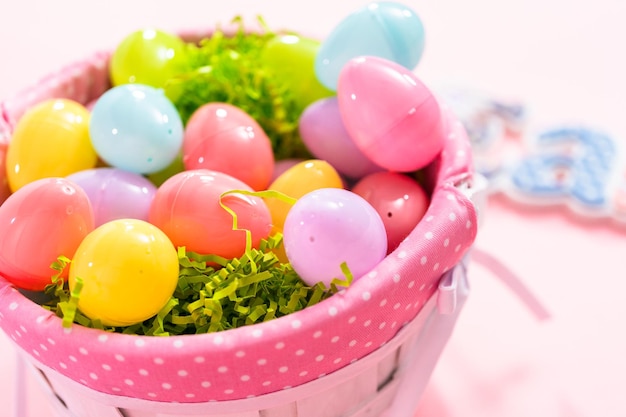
pixel 404 311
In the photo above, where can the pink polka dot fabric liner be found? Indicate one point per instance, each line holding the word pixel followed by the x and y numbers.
pixel 262 358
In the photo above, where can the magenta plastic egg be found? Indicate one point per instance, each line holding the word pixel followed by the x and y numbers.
pixel 325 136
pixel 399 200
pixel 187 208
pixel 390 114
pixel 222 137
pixel 41 221
pixel 116 194
pixel 329 226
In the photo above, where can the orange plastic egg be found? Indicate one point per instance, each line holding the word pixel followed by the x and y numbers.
pixel 297 181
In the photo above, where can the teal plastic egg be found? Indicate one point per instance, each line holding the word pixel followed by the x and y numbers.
pixel 384 29
pixel 136 128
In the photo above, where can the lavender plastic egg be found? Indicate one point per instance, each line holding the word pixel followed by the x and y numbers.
pixel 116 194
pixel 325 136
pixel 328 227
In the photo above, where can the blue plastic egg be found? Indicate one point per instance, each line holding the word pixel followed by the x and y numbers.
pixel 136 128
pixel 384 29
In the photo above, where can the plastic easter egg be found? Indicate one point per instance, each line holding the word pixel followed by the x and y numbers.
pixel 297 181
pixel 325 136
pixel 222 137
pixel 50 140
pixel 148 57
pixel 328 227
pixel 187 208
pixel 385 29
pixel 129 270
pixel 5 191
pixel 136 128
pixel 116 194
pixel 292 60
pixel 391 116
pixel 399 200
pixel 41 221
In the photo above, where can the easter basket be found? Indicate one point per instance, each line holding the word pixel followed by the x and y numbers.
pixel 368 350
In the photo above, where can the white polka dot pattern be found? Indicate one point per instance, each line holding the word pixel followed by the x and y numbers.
pixel 266 357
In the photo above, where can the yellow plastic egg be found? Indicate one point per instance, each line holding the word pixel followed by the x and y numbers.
pixel 50 140
pixel 129 270
pixel 297 181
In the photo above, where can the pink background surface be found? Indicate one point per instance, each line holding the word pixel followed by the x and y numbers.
pixel 562 58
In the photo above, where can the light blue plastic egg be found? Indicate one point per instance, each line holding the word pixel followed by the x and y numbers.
pixel 136 128
pixel 384 29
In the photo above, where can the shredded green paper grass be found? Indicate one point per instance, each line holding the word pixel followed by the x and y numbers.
pixel 229 69
pixel 213 294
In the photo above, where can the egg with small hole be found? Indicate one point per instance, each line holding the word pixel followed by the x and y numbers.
pixel 339 226
pixel 399 200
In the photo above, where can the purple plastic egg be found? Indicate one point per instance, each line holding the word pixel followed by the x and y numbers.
pixel 325 136
pixel 116 194
pixel 328 227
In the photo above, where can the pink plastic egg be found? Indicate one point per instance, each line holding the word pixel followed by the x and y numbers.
pixel 187 208
pixel 325 136
pixel 224 138
pixel 39 222
pixel 115 193
pixel 390 114
pixel 399 200
pixel 328 227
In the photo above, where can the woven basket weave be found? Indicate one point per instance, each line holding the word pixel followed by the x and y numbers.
pixel 368 349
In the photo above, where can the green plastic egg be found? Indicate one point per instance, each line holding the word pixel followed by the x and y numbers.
pixel 148 57
pixel 292 59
